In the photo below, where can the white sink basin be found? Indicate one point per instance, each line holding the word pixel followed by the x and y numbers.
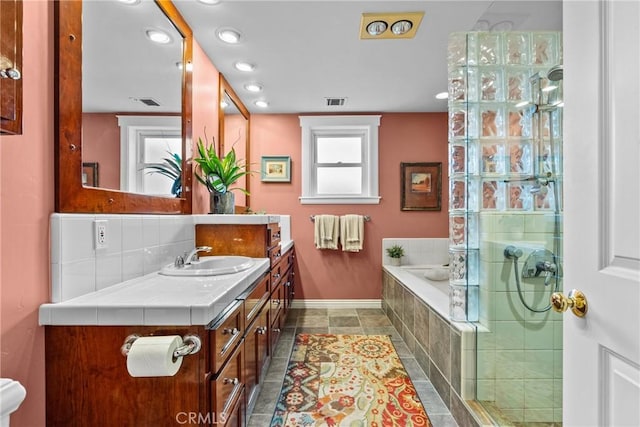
pixel 210 266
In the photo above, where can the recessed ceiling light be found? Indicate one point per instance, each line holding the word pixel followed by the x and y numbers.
pixel 262 104
pixel 442 95
pixel 401 27
pixel 376 28
pixel 244 66
pixel 129 2
pixel 502 26
pixel 158 36
pixel 209 2
pixel 229 35
pixel 253 87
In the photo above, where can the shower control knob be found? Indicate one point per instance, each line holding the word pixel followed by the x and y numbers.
pixel 575 300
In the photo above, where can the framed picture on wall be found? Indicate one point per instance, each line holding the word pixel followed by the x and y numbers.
pixel 90 174
pixel 421 186
pixel 276 168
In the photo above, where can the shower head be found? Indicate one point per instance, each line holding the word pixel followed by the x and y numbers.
pixel 555 73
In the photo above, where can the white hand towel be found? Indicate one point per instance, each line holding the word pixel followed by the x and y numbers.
pixel 352 233
pixel 325 231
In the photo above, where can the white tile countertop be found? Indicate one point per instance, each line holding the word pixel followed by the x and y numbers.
pixel 235 219
pixel 155 300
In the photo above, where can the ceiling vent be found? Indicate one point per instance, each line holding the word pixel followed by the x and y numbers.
pixel 149 102
pixel 335 102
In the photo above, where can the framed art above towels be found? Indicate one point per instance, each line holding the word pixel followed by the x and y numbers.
pixel 421 186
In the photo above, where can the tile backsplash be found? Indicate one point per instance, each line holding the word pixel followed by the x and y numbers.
pixel 136 245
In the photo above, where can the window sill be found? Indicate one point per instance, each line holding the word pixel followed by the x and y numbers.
pixel 306 200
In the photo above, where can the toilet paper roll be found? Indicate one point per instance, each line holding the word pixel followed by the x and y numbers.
pixel 153 356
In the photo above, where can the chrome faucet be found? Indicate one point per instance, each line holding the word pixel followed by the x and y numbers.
pixel 193 255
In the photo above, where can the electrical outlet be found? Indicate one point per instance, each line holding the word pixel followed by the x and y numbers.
pixel 100 234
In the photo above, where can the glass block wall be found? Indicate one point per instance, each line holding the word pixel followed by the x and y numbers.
pixel 505 188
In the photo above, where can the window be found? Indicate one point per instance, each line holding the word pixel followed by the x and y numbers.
pixel 339 159
pixel 147 140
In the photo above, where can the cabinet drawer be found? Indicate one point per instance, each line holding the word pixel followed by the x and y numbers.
pixel 225 336
pixel 275 331
pixel 275 254
pixel 273 234
pixel 256 299
pixel 277 271
pixel 277 301
pixel 228 385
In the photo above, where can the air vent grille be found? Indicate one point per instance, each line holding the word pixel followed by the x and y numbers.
pixel 149 101
pixel 335 102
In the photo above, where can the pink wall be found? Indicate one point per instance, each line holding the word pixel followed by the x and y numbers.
pixel 26 181
pixel 101 143
pixel 205 115
pixel 414 137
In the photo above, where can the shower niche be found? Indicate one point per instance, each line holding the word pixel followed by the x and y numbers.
pixel 505 188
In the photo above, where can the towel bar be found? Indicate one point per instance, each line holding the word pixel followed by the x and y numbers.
pixel 367 218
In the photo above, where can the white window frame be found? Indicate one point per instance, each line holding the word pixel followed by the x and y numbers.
pixel 349 126
pixel 133 130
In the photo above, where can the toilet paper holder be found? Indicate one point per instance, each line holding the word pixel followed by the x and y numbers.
pixel 192 345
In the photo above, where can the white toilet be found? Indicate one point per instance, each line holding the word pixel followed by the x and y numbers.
pixel 12 393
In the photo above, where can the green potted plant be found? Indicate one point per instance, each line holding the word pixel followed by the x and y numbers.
pixel 171 167
pixel 219 174
pixel 395 252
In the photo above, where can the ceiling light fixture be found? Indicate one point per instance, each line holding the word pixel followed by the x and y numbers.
pixel 390 25
pixel 158 36
pixel 129 2
pixel 376 28
pixel 229 35
pixel 209 2
pixel 401 27
pixel 253 87
pixel 262 104
pixel 442 95
pixel 244 66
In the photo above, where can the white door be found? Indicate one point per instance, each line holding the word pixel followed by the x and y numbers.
pixel 602 214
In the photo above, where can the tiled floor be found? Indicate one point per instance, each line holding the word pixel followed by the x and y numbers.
pixel 343 321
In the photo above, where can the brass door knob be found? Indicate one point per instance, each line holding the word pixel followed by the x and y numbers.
pixel 575 300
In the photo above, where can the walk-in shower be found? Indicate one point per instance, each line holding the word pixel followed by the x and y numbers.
pixel 505 184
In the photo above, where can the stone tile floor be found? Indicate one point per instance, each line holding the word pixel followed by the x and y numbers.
pixel 342 321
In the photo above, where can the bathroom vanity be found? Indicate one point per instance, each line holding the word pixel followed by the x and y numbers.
pixel 238 318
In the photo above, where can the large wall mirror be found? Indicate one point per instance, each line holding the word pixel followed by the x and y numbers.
pixel 124 106
pixel 234 133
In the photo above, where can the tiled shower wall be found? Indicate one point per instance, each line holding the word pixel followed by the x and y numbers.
pixel 136 245
pixel 519 367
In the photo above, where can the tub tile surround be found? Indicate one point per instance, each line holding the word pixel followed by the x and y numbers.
pixel 136 245
pixel 445 350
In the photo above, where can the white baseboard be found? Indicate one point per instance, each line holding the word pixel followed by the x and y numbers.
pixel 336 303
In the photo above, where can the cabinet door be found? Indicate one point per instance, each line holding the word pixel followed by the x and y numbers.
pixel 11 67
pixel 256 353
pixel 228 385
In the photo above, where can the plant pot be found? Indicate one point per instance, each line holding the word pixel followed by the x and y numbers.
pixel 395 262
pixel 222 203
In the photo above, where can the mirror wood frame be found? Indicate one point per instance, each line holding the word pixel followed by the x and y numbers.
pixel 70 195
pixel 226 89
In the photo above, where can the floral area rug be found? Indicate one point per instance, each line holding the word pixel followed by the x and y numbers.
pixel 347 380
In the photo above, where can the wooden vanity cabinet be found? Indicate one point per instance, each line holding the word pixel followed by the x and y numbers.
pixel 252 240
pixel 11 67
pixel 87 382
